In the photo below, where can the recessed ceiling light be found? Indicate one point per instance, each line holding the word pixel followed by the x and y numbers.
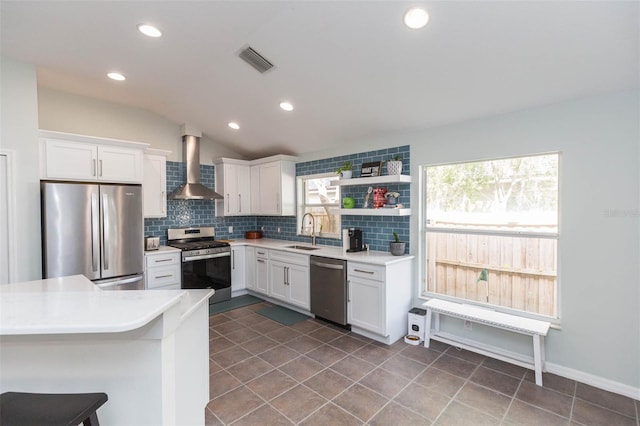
pixel 234 125
pixel 416 18
pixel 116 76
pixel 286 106
pixel 149 30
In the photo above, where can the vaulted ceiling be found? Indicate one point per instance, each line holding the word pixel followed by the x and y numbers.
pixel 350 68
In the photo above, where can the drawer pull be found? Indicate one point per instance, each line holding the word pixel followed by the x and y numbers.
pixel 364 272
pixel 164 276
pixel 163 260
pixel 260 260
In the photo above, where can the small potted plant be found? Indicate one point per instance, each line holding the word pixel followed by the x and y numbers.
pixel 396 247
pixel 345 171
pixel 394 166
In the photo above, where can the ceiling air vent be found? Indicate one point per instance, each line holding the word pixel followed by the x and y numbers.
pixel 256 60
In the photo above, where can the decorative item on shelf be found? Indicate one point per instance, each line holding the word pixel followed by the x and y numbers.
pixel 345 171
pixel 392 198
pixel 348 202
pixel 367 197
pixel 396 247
pixel 394 166
pixel 378 197
pixel 371 169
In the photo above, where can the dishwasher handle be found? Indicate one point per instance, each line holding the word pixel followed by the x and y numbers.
pixel 326 265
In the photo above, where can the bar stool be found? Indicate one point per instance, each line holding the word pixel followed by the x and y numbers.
pixel 42 409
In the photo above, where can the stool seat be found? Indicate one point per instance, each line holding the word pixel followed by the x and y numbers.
pixel 71 409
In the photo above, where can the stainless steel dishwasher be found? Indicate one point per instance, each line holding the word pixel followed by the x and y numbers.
pixel 328 278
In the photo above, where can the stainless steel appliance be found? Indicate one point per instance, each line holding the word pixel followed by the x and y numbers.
pixel 328 279
pixel 206 263
pixel 192 189
pixel 355 240
pixel 95 230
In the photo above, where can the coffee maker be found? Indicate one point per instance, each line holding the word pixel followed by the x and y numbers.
pixel 355 240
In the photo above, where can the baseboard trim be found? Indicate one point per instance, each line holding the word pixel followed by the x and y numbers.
pixel 593 380
pixel 559 370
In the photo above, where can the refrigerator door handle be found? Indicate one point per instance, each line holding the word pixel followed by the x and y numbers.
pixel 105 231
pixel 95 232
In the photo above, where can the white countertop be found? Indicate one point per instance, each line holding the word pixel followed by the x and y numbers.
pixel 372 257
pixel 73 304
pixel 162 249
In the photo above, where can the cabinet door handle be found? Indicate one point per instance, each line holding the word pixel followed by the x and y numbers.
pixel 364 272
pixel 100 168
pixel 93 168
pixel 228 207
pixel 233 259
pixel 348 291
pixel 239 203
pixel 288 283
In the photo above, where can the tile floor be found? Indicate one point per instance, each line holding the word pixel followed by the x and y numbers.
pixel 311 373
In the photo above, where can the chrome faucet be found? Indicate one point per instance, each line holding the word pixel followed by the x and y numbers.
pixel 313 228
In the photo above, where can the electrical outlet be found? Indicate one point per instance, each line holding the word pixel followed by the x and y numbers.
pixel 262 228
pixel 278 229
pixel 231 229
pixel 468 325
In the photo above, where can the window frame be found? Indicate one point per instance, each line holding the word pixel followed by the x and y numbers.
pixel 424 229
pixel 301 204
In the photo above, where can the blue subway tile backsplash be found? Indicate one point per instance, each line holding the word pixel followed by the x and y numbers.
pixel 377 230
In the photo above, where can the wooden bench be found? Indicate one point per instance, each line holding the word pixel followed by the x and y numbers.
pixel 535 328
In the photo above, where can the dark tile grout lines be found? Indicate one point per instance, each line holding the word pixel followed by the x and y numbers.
pixel 444 351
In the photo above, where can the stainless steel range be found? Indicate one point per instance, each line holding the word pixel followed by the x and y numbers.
pixel 206 263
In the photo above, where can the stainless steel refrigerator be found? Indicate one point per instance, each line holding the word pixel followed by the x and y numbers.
pixel 95 230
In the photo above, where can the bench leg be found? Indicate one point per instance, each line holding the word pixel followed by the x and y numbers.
pixel 427 328
pixel 538 357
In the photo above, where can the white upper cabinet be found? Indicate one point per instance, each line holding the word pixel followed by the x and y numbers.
pixel 154 184
pixel 266 186
pixel 77 157
pixel 273 188
pixel 233 182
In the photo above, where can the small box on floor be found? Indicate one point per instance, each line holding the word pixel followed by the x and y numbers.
pixel 415 326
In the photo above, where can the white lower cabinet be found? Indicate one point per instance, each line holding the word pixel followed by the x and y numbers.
pixel 289 278
pixel 250 267
pixel 238 270
pixel 366 304
pixel 262 271
pixel 162 269
pixel 378 299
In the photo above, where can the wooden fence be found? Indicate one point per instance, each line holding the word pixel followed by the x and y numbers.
pixel 521 272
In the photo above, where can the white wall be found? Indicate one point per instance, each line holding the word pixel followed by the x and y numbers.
pixel 599 253
pixel 19 133
pixel 66 112
pixel 599 139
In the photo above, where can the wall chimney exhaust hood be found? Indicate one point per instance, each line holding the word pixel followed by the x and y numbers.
pixel 192 189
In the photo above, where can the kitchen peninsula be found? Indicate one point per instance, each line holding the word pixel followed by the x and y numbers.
pixel 148 350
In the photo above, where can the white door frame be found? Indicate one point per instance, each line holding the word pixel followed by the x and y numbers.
pixel 11 217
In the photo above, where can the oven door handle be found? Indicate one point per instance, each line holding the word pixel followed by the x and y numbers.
pixel 206 256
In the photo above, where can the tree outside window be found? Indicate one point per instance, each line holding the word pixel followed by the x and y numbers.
pixel 317 196
pixel 491 232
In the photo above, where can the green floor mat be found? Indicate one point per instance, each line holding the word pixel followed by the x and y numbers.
pixel 234 302
pixel 282 315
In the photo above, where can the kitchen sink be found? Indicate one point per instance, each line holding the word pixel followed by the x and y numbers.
pixel 303 247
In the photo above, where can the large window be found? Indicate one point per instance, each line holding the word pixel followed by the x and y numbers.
pixel 491 233
pixel 317 196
